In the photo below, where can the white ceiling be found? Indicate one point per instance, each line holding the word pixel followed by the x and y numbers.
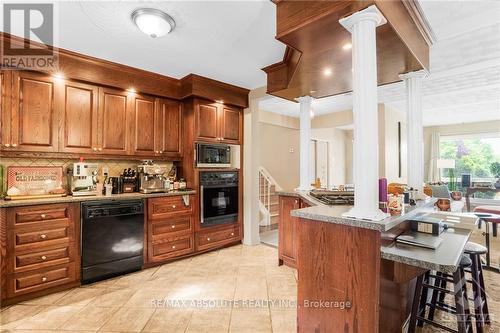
pixel 464 85
pixel 228 41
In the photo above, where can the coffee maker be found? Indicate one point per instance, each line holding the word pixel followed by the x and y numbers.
pixel 151 179
pixel 82 178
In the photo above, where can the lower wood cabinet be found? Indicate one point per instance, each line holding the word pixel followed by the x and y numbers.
pixel 171 231
pixel 42 248
pixel 217 237
pixel 287 230
pixel 170 228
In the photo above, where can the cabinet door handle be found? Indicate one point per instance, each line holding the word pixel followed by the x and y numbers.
pixel 173 247
pixel 14 145
pixel 156 152
pixel 43 236
pixel 100 149
pixel 43 257
pixel 232 234
pixel 44 279
pixel 94 148
pixel 161 152
pixel 7 145
pixel 173 206
pixel 43 216
pixel 208 238
pixel 222 138
pixel 173 226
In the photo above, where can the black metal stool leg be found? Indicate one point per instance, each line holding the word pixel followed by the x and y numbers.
pixel 476 291
pixel 484 309
pixel 415 308
pixel 423 299
pixel 434 297
pixel 461 302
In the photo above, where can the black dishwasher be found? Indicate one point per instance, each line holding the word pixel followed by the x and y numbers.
pixel 112 238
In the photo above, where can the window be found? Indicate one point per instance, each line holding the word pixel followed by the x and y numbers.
pixel 474 155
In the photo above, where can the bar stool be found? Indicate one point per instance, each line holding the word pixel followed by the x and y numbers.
pixel 461 308
pixel 481 312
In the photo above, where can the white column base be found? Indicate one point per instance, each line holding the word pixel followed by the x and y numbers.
pixel 376 215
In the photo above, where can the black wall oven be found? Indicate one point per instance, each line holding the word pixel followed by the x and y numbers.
pixel 219 197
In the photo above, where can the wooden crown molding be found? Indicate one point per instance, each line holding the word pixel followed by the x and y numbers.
pixel 85 68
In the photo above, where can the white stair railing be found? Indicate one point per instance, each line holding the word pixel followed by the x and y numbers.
pixel 266 183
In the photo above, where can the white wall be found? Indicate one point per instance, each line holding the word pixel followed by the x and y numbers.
pixel 336 142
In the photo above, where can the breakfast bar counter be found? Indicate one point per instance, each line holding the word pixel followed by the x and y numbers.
pixel 345 259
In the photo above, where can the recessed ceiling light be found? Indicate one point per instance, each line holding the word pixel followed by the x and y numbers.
pixel 153 22
pixel 58 75
pixel 327 71
pixel 347 46
pixel 131 90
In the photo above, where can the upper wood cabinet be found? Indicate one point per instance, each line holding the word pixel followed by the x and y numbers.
pixel 42 113
pixel 79 116
pixel 34 120
pixel 231 124
pixel 145 116
pixel 5 111
pixel 114 133
pixel 169 127
pixel 217 122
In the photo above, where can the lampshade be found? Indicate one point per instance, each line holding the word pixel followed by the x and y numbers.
pixel 153 22
pixel 445 163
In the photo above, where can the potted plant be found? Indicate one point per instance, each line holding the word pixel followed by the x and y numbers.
pixel 452 185
pixel 495 170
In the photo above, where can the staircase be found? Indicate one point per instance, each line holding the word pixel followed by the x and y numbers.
pixel 268 199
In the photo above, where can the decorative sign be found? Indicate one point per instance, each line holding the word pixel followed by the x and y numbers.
pixel 33 180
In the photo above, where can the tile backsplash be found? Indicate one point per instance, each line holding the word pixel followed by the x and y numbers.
pixel 115 167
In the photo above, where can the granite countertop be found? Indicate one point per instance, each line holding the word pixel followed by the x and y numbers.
pixel 69 198
pixel 444 259
pixel 333 214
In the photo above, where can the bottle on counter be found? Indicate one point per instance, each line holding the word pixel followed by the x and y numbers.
pixel 182 184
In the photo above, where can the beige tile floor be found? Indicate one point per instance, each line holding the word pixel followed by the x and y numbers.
pixel 125 304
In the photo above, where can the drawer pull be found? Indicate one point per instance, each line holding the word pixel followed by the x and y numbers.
pixel 43 236
pixel 173 247
pixel 43 216
pixel 208 238
pixel 44 257
pixel 173 226
pixel 44 279
pixel 232 234
pixel 173 206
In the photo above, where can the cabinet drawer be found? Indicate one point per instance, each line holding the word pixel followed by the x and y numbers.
pixel 166 227
pixel 170 248
pixel 43 258
pixel 42 236
pixel 26 215
pixel 168 206
pixel 216 238
pixel 23 283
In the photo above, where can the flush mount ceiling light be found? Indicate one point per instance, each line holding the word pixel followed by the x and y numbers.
pixel 153 22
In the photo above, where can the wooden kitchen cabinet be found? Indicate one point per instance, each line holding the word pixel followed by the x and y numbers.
pixel 231 124
pixel 287 230
pixel 217 122
pixel 42 249
pixel 169 228
pixel 34 119
pixel 145 116
pixel 114 133
pixel 79 115
pixel 170 129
